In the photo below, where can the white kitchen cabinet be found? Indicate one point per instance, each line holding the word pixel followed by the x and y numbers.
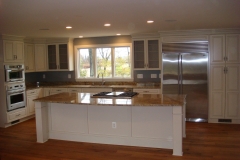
pixel 29 60
pixel 225 92
pixel 40 57
pixel 13 51
pixel 146 54
pixel 60 56
pixel 58 90
pixel 147 91
pixel 224 95
pixel 224 49
pixel 46 92
pixel 96 90
pixel 31 95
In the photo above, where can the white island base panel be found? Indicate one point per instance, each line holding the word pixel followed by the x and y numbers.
pixel 143 126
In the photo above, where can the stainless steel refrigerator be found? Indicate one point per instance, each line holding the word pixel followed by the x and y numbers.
pixel 186 73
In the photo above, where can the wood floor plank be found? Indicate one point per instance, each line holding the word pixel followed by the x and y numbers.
pixel 204 141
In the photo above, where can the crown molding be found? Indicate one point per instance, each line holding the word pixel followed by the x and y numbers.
pixel 199 32
pixel 12 37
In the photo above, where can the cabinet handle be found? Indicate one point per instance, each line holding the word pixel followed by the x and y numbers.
pixel 225 58
pixel 18 115
pixel 225 70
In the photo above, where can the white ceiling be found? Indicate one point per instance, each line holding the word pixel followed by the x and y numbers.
pixel 87 17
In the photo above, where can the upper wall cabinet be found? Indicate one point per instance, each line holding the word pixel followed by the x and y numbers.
pixel 29 60
pixel 13 51
pixel 40 57
pixel 146 54
pixel 225 49
pixel 60 57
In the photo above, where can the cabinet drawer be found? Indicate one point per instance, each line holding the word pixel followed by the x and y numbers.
pixel 33 91
pixel 59 90
pixel 14 115
pixel 147 91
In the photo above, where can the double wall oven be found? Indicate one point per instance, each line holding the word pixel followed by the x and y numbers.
pixel 15 86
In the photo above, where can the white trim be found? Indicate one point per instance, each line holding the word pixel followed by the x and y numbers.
pixel 102 46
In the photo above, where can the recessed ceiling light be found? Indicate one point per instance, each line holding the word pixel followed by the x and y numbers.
pixel 80 36
pixel 68 27
pixel 107 24
pixel 118 34
pixel 150 21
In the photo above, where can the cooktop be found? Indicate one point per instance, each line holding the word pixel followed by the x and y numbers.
pixel 114 95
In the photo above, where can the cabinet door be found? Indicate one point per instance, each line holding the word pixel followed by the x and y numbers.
pixel 40 57
pixel 13 51
pixel 217 49
pixel 139 51
pixel 52 57
pixel 46 92
pixel 232 92
pixel 63 56
pixel 29 58
pixel 8 51
pixel 153 54
pixel 19 51
pixel 31 104
pixel 217 91
pixel 233 49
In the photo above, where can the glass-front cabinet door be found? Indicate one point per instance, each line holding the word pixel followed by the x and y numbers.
pixel 52 57
pixel 139 49
pixel 63 56
pixel 153 54
pixel 146 54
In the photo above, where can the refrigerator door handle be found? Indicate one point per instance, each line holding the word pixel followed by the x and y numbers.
pixel 179 74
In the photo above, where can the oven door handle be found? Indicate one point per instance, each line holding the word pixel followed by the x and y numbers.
pixel 15 92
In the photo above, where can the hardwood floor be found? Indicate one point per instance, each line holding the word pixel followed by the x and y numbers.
pixel 204 141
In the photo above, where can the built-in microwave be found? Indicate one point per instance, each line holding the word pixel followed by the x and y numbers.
pixel 14 73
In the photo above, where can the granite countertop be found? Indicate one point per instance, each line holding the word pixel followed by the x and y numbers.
pixel 138 100
pixel 92 86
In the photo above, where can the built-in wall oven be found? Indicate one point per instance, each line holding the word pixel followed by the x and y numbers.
pixel 16 96
pixel 14 73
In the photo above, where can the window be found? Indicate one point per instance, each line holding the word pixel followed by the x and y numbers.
pixel 111 62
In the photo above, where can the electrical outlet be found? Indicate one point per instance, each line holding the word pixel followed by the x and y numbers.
pixel 69 76
pixel 114 124
pixel 44 76
pixel 153 75
pixel 139 75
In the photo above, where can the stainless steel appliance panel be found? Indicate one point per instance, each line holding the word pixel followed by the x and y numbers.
pixel 186 73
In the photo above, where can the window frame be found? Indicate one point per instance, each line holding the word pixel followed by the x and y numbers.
pixel 95 79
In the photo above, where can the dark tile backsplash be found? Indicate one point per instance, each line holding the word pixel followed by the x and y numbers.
pixel 62 76
pixel 53 76
pixel 147 76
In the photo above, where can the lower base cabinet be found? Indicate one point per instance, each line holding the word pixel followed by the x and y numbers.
pixel 31 95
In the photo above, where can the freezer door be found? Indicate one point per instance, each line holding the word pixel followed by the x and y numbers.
pixel 171 77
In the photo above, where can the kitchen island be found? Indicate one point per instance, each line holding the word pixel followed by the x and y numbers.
pixel 146 120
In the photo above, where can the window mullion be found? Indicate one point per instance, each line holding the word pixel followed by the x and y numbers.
pixel 113 62
pixel 94 62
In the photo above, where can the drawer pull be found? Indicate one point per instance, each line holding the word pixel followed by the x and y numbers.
pixel 18 115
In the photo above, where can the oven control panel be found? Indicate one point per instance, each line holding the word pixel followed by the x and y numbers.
pixel 10 87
